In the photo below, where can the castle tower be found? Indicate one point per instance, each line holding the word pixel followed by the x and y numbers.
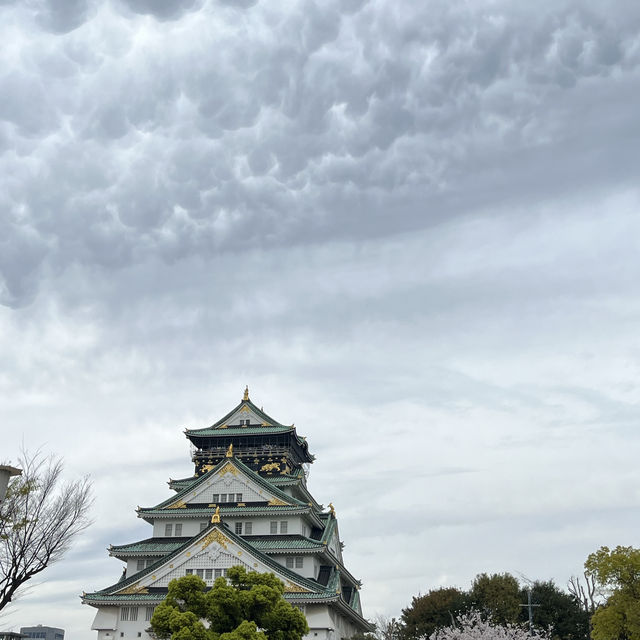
pixel 246 504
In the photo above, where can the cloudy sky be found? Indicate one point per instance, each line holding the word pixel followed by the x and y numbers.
pixel 410 227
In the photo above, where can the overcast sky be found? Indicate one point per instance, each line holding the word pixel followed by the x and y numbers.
pixel 410 227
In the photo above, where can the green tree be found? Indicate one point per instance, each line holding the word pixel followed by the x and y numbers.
pixel 432 611
pixel 497 595
pixel 233 609
pixel 617 573
pixel 557 611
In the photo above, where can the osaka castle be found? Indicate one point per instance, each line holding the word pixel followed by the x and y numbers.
pixel 246 504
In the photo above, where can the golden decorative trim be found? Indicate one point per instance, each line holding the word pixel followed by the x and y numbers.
pixel 276 502
pixel 188 554
pixel 239 553
pixel 170 566
pixel 274 466
pixel 215 536
pixel 241 504
pixel 215 518
pixel 245 397
pixel 181 504
pixel 132 590
pixel 223 426
pixel 228 468
pixel 229 453
pixel 332 509
pixel 290 587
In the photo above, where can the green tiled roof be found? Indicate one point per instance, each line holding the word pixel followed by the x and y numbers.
pixel 225 510
pixel 291 575
pixel 240 466
pixel 298 543
pixel 235 431
pixel 261 414
pixel 150 546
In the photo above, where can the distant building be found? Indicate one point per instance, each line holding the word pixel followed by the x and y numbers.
pixel 42 633
pixel 11 635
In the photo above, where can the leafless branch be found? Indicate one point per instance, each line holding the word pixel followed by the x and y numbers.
pixel 39 519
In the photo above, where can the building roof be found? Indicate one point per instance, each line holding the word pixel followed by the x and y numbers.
pixel 112 591
pixel 242 468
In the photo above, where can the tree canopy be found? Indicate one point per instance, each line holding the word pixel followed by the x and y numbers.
pixel 245 606
pixel 617 573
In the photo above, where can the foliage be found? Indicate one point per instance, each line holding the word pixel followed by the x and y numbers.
pixel 429 612
pixel 498 596
pixel 475 626
pixel 557 611
pixel 39 518
pixel 617 573
pixel 247 606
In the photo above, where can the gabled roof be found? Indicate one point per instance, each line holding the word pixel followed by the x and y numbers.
pixel 140 582
pixel 267 422
pixel 176 501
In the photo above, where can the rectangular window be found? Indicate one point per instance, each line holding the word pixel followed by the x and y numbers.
pixel 140 564
pixel 134 614
pixel 238 497
pixel 299 562
pixel 216 498
pixel 223 497
pixel 200 573
pixel 150 561
pixel 289 562
pixel 218 573
pixel 124 613
pixel 168 530
pixel 188 572
pixel 284 525
pixel 273 527
pixel 203 525
pixel 248 528
pixel 239 528
pixel 208 574
pixel 149 614
pixel 178 530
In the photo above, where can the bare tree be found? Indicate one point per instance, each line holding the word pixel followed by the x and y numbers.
pixel 386 628
pixel 585 594
pixel 39 519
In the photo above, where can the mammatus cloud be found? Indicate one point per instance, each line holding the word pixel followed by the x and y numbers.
pixel 135 130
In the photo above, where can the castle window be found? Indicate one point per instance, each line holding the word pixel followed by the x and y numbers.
pixel 216 498
pixel 200 573
pixel 238 497
pixel 140 564
pixel 239 528
pixel 248 528
pixel 284 526
pixel 290 562
pixel 218 573
pixel 208 574
pixel 133 614
pixel 299 562
pixel 223 497
pixel 273 527
pixel 178 530
pixel 188 572
pixel 168 530
pixel 124 613
pixel 149 614
pixel 203 525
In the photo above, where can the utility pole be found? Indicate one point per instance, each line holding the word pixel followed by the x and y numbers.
pixel 530 606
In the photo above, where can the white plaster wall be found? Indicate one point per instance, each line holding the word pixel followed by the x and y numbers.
pixel 309 567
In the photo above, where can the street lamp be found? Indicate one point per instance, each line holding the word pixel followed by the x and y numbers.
pixel 6 472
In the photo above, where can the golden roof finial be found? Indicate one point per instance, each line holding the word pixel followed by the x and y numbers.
pixel 246 393
pixel 215 518
pixel 332 509
pixel 230 451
